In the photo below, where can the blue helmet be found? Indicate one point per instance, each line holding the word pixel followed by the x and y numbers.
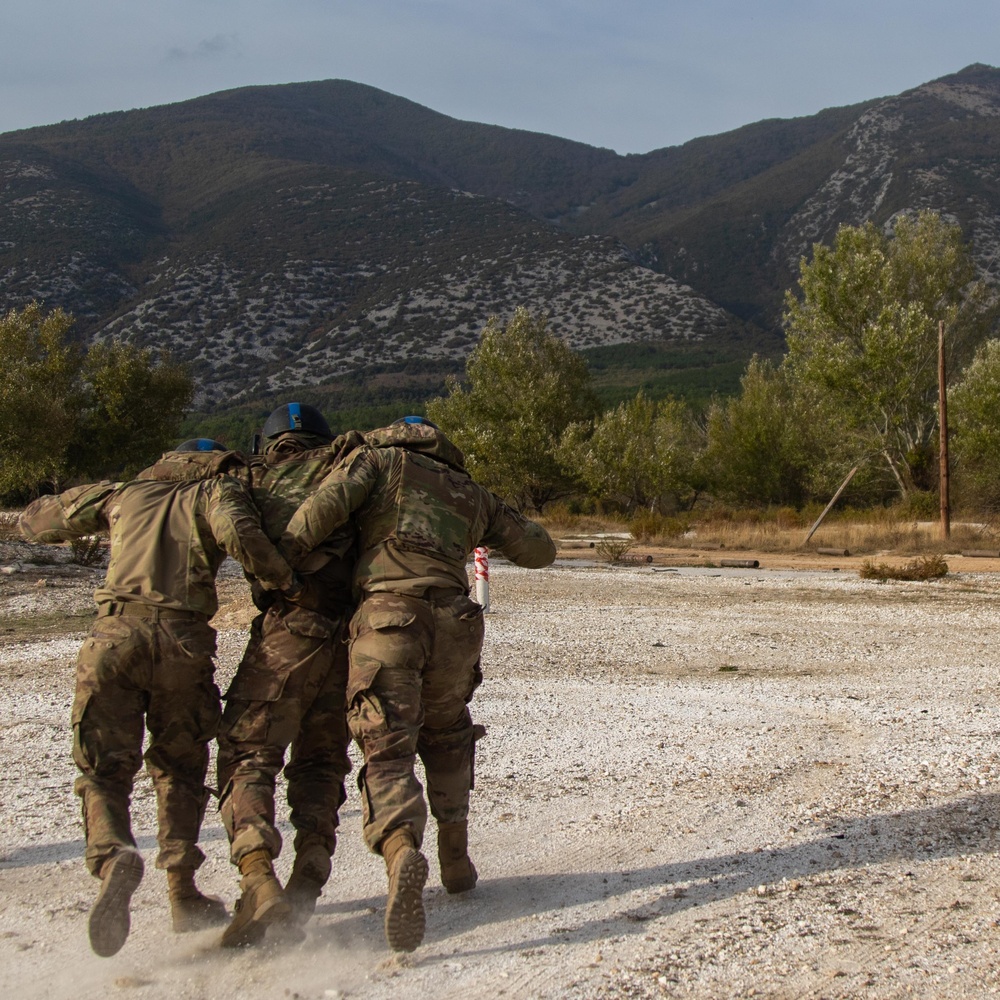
pixel 201 444
pixel 417 420
pixel 296 417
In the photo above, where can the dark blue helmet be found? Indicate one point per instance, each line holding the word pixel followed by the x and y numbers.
pixel 417 420
pixel 297 417
pixel 201 444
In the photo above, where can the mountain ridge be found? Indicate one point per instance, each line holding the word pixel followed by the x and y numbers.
pixel 312 235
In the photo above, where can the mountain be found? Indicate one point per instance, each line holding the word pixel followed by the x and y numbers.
pixel 332 236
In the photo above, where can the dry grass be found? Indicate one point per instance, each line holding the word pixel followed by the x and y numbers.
pixel 901 537
pixel 860 533
pixel 925 568
pixel 9 531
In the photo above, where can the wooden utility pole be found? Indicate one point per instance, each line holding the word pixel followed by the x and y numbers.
pixel 943 487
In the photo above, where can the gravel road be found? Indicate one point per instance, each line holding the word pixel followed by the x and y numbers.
pixel 696 783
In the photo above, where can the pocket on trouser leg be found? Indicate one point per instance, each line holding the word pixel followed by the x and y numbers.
pixel 106 749
pixel 244 722
pixel 190 638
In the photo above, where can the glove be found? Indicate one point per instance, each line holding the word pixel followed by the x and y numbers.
pixel 261 597
pixel 296 590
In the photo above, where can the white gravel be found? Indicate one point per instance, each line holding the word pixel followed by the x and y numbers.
pixel 696 783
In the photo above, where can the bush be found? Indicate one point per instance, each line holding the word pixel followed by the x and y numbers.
pixel 921 505
pixel 648 526
pixel 613 549
pixel 86 551
pixel 927 568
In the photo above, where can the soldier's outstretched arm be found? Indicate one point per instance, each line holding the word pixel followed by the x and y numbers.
pixel 73 514
pixel 235 523
pixel 525 543
pixel 338 496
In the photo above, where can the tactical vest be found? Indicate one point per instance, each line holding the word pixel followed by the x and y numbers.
pixel 436 508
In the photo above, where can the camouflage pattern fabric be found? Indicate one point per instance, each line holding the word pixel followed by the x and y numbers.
pixel 129 670
pixel 414 665
pixel 418 515
pixel 149 656
pixel 290 687
pixel 168 538
pixel 416 637
pixel 288 691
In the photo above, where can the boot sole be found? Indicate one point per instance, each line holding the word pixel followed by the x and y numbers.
pixel 252 932
pixel 404 911
pixel 110 920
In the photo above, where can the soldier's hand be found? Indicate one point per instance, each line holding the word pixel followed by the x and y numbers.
pixel 261 597
pixel 296 591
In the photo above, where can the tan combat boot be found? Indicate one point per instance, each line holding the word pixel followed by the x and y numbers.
pixel 310 872
pixel 109 917
pixel 458 873
pixel 190 910
pixel 262 901
pixel 404 909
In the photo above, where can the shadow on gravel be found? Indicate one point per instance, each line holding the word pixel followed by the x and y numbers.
pixel 69 850
pixel 968 826
pixel 916 835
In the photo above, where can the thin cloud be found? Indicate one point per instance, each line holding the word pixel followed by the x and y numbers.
pixel 208 48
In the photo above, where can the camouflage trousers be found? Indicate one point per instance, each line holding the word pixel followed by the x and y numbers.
pixel 289 690
pixel 133 672
pixel 414 665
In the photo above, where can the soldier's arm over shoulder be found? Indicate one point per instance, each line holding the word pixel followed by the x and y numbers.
pixel 73 514
pixel 342 492
pixel 525 543
pixel 235 523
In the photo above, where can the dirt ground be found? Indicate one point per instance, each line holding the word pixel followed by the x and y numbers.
pixel 698 781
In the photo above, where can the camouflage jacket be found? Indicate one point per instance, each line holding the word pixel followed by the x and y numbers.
pixel 170 531
pixel 283 478
pixel 418 513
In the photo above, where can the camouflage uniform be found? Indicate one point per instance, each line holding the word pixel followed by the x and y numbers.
pixel 150 652
pixel 290 686
pixel 416 637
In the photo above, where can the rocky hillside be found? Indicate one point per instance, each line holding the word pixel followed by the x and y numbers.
pixel 330 234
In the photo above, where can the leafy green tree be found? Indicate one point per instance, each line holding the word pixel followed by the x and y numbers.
pixel 757 449
pixel 863 335
pixel 640 454
pixel 39 398
pixel 67 413
pixel 133 408
pixel 523 387
pixel 974 418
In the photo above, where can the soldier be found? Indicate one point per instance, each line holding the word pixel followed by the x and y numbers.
pixel 289 689
pixel 149 657
pixel 415 642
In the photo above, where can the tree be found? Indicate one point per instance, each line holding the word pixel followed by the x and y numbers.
pixel 974 408
pixel 864 333
pixel 639 454
pixel 39 398
pixel 523 388
pixel 132 409
pixel 757 450
pixel 66 412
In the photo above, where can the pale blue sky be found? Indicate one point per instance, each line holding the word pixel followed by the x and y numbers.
pixel 633 75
